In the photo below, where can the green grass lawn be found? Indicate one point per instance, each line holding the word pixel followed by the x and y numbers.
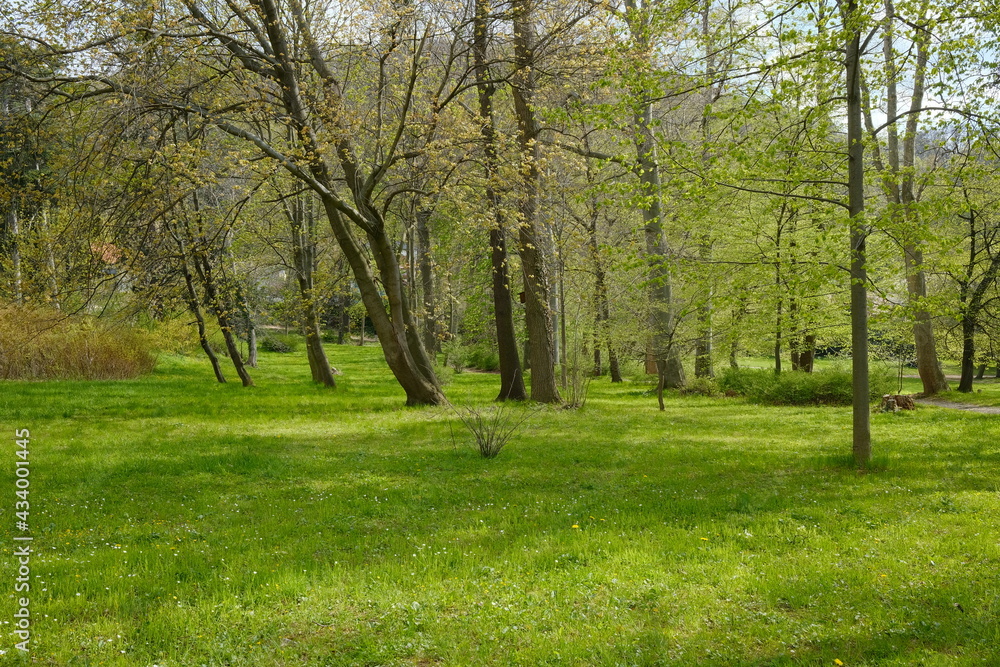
pixel 180 523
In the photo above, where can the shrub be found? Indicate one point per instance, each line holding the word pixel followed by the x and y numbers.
pixel 37 344
pixel 493 426
pixel 483 357
pixel 176 335
pixel 828 387
pixel 701 387
pixel 276 342
pixel 455 353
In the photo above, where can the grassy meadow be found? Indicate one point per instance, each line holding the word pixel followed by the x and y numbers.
pixel 178 522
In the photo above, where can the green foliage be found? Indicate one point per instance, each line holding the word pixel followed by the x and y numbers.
pixel 483 356
pixel 173 335
pixel 38 344
pixel 700 387
pixel 277 342
pixel 826 387
pixel 455 353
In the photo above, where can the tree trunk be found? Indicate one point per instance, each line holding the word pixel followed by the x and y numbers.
pixel 538 318
pixel 301 217
pixel 414 375
pixel 251 344
pixel 862 443
pixel 968 351
pixel 50 259
pixel 14 230
pixel 980 371
pixel 192 302
pixel 345 320
pixel 897 184
pixel 426 268
pixel 221 310
pixel 511 376
pixel 928 366
pixel 808 354
pixel 660 288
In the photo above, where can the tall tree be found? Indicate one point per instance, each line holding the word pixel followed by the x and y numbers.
pixel 538 316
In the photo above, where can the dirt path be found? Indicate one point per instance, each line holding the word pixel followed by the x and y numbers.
pixel 981 409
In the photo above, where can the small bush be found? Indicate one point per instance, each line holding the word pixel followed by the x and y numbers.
pixel 701 387
pixel 493 426
pixel 483 357
pixel 828 387
pixel 455 354
pixel 37 344
pixel 275 342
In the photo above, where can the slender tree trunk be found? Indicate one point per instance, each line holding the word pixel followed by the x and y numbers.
pixel 14 230
pixel 301 219
pixel 221 310
pixel 538 318
pixel 980 371
pixel 563 351
pixel 862 443
pixel 968 351
pixel 50 259
pixel 192 302
pixel 704 366
pixel 345 320
pixel 426 265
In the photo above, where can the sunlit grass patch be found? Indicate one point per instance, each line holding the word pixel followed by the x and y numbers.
pixel 182 522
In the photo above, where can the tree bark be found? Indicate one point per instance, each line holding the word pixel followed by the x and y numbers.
pixel 511 375
pixel 862 443
pixel 301 218
pixel 415 376
pixel 14 232
pixel 426 268
pixel 192 302
pixel 538 317
pixel 661 316
pixel 897 185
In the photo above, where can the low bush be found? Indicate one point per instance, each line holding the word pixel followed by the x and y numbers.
pixel 483 357
pixel 701 387
pixel 827 387
pixel 276 342
pixel 455 353
pixel 39 344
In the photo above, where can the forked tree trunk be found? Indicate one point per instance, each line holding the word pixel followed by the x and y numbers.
pixel 414 375
pixel 897 184
pixel 221 309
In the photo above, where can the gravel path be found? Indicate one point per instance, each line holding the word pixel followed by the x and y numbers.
pixel 981 409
